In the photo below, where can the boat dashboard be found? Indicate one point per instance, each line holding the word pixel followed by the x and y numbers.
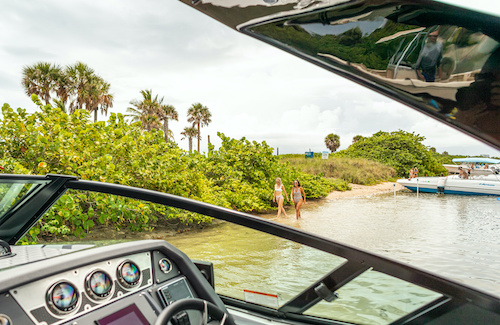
pixel 104 285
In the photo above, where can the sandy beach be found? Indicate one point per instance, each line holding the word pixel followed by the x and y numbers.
pixel 363 190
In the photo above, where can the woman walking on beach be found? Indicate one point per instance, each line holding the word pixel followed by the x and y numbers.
pixel 279 196
pixel 298 196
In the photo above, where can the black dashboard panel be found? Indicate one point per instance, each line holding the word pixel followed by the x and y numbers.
pixel 134 279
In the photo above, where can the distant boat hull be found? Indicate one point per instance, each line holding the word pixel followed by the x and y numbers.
pixel 487 185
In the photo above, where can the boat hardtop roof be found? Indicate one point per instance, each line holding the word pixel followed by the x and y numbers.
pixel 477 160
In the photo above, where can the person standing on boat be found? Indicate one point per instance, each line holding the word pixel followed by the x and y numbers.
pixel 298 196
pixel 429 60
pixel 279 196
pixel 441 183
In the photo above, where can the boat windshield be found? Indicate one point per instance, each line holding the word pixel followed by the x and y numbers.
pixel 14 192
pixel 252 266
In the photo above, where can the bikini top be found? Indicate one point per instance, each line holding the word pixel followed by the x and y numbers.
pixel 277 189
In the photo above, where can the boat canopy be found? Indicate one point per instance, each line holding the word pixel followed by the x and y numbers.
pixel 482 160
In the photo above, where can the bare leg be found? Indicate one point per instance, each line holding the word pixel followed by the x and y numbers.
pixel 296 210
pixel 281 208
pixel 297 207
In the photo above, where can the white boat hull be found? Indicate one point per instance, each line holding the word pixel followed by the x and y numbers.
pixel 482 185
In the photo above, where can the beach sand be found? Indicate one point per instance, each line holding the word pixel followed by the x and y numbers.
pixel 364 190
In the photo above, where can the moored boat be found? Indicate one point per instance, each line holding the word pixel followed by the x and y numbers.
pixel 476 185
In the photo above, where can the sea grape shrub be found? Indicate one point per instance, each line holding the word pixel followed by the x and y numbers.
pixel 399 149
pixel 239 175
pixel 239 162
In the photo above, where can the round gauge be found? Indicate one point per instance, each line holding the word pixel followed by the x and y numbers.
pixel 99 285
pixel 129 274
pixel 165 265
pixel 62 297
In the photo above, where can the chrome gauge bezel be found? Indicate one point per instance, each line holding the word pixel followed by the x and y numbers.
pixel 165 268
pixel 54 308
pixel 96 296
pixel 124 283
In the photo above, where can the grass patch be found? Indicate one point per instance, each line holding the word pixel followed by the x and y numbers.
pixel 352 170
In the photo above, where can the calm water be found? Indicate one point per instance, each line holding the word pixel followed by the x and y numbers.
pixel 454 236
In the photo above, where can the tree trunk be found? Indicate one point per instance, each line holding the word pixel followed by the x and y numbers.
pixel 198 137
pixel 95 115
pixel 165 129
pixel 190 144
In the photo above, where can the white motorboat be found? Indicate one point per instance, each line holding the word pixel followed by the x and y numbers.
pixel 476 185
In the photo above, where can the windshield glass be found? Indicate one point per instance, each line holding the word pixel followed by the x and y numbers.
pixel 249 265
pixel 12 193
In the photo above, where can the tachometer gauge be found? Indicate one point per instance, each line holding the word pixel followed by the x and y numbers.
pixel 62 297
pixel 128 274
pixel 99 285
pixel 165 265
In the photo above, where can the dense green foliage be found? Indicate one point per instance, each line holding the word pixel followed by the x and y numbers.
pixel 399 149
pixel 239 175
pixel 352 170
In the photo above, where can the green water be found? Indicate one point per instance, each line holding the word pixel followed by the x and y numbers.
pixel 454 236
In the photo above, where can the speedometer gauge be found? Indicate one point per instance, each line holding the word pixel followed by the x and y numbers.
pixel 99 285
pixel 62 297
pixel 129 274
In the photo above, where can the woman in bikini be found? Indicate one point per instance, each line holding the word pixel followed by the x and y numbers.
pixel 279 196
pixel 298 196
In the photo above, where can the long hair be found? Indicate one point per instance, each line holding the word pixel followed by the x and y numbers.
pixel 298 183
pixel 279 181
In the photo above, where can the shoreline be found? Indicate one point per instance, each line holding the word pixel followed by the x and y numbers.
pixel 365 190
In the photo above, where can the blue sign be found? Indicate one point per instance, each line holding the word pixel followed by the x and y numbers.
pixel 309 154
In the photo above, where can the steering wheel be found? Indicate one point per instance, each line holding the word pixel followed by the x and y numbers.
pixel 207 308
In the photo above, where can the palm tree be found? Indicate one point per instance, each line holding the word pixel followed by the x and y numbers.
pixel 148 110
pixel 167 112
pixel 63 89
pixel 200 116
pixel 92 92
pixel 79 78
pixel 41 79
pixel 190 133
pixel 332 142
pixel 104 99
pixel 144 111
pixel 357 138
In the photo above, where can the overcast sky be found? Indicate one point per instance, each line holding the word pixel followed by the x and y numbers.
pixel 252 89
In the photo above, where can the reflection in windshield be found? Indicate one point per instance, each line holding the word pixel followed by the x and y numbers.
pixel 374 298
pixel 449 70
pixel 246 259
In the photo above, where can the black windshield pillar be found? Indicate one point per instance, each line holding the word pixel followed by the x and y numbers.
pixel 23 216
